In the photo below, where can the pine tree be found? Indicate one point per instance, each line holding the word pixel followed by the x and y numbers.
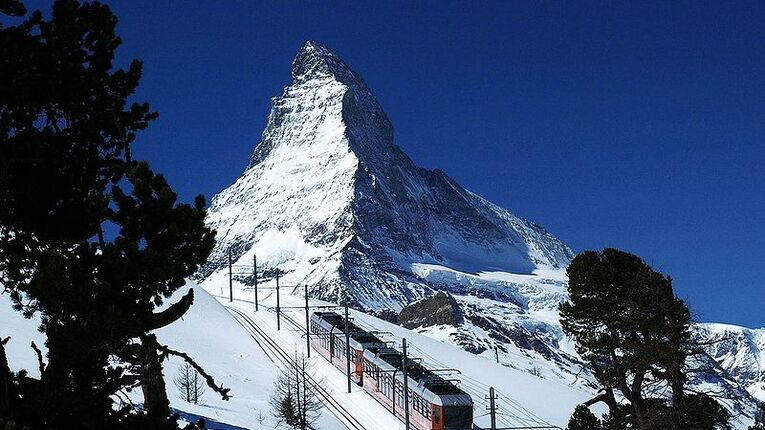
pixel 283 400
pixel 91 240
pixel 583 419
pixel 702 412
pixel 295 399
pixel 635 335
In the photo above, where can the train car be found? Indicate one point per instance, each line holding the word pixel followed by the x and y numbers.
pixel 328 337
pixel 434 402
pixel 322 325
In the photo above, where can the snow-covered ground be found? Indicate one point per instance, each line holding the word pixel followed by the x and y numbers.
pixel 524 399
pixel 219 340
pixel 210 335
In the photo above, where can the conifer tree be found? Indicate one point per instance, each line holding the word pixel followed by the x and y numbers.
pixel 635 335
pixel 283 400
pixel 583 419
pixel 295 399
pixel 91 240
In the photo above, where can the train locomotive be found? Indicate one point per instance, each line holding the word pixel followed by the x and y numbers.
pixel 435 403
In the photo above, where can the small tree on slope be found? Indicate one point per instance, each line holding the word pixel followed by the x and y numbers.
pixel 583 419
pixel 283 400
pixel 189 384
pixel 294 399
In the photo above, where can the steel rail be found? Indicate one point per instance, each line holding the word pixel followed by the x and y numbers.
pixel 339 411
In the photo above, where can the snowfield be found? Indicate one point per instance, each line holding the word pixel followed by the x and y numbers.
pixel 219 339
pixel 525 399
pixel 225 348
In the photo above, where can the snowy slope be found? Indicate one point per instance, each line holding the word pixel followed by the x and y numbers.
pixel 210 335
pixel 525 399
pixel 330 200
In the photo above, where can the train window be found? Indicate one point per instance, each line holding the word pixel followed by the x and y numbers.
pixel 385 386
pixel 399 394
pixel 458 416
pixel 421 406
pixel 425 409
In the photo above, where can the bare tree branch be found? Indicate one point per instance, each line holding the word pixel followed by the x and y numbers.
pixel 210 381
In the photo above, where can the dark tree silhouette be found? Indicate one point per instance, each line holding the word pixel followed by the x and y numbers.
pixel 295 400
pixel 635 335
pixel 91 240
pixel 583 419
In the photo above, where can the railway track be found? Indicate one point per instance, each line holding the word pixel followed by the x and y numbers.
pixel 276 352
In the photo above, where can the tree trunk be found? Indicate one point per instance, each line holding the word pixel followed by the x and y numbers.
pixel 156 402
pixel 6 382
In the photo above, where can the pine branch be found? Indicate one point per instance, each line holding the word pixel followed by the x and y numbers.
pixel 171 314
pixel 39 358
pixel 6 381
pixel 597 399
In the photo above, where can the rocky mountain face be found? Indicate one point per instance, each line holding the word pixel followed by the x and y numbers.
pixel 739 351
pixel 441 309
pixel 330 200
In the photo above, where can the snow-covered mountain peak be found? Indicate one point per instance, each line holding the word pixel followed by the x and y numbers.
pixel 316 61
pixel 328 175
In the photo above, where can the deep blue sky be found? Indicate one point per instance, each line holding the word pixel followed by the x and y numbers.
pixel 634 125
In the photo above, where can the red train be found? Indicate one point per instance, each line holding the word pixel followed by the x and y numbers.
pixel 434 403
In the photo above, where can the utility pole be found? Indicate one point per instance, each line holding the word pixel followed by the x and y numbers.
pixel 307 325
pixel 496 352
pixel 278 308
pixel 347 348
pixel 230 279
pixel 406 384
pixel 305 395
pixel 492 408
pixel 255 274
pixel 297 387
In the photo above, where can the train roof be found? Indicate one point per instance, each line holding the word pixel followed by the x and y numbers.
pixel 355 332
pixel 430 380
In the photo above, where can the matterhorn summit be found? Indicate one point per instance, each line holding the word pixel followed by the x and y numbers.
pixel 331 200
